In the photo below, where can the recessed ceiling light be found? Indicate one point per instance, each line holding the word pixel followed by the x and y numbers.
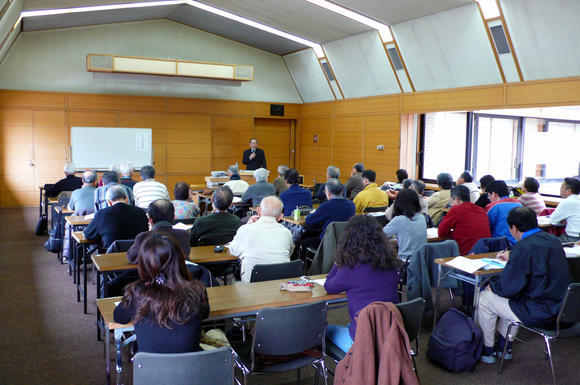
pixel 489 8
pixel 383 29
pixel 93 8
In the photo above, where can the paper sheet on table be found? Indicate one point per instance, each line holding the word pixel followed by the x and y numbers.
pixel 117 303
pixel 432 232
pixel 237 199
pixel 182 226
pixel 465 264
pixel 319 281
pixel 543 220
pixel 90 216
pixel 572 252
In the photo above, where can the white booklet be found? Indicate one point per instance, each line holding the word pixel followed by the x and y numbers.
pixel 572 252
pixel 433 232
pixel 182 226
pixel 465 264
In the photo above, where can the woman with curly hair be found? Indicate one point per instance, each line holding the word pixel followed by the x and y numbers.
pixel 165 304
pixel 366 268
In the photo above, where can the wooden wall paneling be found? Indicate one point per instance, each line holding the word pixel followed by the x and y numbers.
pixel 544 93
pixel 315 157
pixel 91 119
pixel 382 130
pixel 456 99
pixel 274 138
pixel 230 136
pixel 317 109
pixel 32 99
pixel 189 139
pixel 262 110
pixel 206 106
pixel 51 142
pixel 366 106
pixel 115 102
pixel 347 143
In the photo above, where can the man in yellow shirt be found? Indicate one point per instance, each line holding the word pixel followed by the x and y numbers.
pixel 371 195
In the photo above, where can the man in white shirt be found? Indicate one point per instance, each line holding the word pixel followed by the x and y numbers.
pixel 149 189
pixel 263 240
pixel 568 211
pixel 466 179
pixel 236 184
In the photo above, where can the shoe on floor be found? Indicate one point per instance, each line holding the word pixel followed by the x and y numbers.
pixel 508 354
pixel 488 359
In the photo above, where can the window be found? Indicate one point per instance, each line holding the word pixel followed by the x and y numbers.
pixel 444 144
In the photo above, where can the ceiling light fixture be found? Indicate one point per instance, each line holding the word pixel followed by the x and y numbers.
pixel 384 30
pixel 216 11
pixel 489 8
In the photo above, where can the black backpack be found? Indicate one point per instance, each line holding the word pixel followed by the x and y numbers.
pixel 41 225
pixel 456 342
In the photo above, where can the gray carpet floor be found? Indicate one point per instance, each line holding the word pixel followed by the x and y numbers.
pixel 46 338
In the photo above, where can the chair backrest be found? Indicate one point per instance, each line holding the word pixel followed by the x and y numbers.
pixel 488 245
pixel 212 367
pixel 202 274
pixel 546 211
pixel 570 311
pixel 209 240
pixel 290 330
pixel 274 271
pixel 120 246
pixel 412 312
pixel 375 209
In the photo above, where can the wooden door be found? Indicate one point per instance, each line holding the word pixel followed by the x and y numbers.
pixel 275 138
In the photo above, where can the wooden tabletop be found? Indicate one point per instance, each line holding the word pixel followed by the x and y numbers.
pixel 443 261
pixel 79 237
pixel 232 300
pixel 200 255
pixel 79 220
pixel 63 210
pixel 52 200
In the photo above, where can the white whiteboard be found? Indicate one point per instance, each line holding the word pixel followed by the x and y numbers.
pixel 102 147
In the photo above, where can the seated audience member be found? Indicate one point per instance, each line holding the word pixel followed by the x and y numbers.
pixel 166 305
pixel 440 199
pixel 184 207
pixel 279 182
pixel 69 183
pixel 531 287
pixel 295 196
pixel 466 179
pixel 408 224
pixel 354 184
pixel 419 187
pixel 117 221
pixel 366 268
pixel 531 198
pixel 331 172
pixel 161 214
pixel 336 208
pixel 407 183
pixel 483 199
pixel 148 189
pixel 263 240
pixel 568 211
pixel 114 168
pixel 401 174
pixel 499 208
pixel 236 184
pixel 109 179
pixel 465 222
pixel 260 189
pixel 220 223
pixel 126 169
pixel 83 199
pixel 371 195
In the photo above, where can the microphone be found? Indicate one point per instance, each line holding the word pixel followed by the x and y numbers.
pixel 253 150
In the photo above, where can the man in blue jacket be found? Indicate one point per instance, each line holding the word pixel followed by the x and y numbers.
pixel 295 196
pixel 531 287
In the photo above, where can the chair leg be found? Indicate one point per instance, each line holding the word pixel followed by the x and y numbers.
pixel 507 334
pixel 415 368
pixel 323 369
pixel 550 358
pixel 298 379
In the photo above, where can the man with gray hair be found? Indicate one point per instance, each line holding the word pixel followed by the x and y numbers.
pixel 117 221
pixel 69 183
pixel 263 240
pixel 109 179
pixel 260 189
pixel 354 184
pixel 332 172
pixel 126 169
pixel 83 199
pixel 280 182
pixel 236 184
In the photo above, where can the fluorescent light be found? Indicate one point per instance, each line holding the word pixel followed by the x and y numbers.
pixel 383 29
pixel 220 12
pixel 489 8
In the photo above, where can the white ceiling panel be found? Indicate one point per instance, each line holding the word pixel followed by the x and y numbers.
pixel 447 50
pixel 397 11
pixel 546 36
pixel 361 66
pixel 297 17
pixel 30 5
pixel 308 76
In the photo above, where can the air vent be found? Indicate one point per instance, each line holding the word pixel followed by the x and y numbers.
pixel 499 39
pixel 327 71
pixel 394 55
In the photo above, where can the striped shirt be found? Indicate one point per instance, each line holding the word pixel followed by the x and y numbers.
pixel 148 191
pixel 533 201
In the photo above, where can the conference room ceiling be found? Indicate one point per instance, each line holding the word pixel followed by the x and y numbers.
pixel 297 17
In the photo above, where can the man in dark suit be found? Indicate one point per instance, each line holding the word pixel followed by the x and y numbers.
pixel 254 157
pixel 118 220
pixel 69 183
pixel 161 214
pixel 220 225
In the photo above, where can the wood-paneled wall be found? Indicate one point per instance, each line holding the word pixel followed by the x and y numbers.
pixel 193 136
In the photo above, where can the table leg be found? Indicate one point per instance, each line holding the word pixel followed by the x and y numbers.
pixel 85 278
pixel 437 296
pixel 107 355
pixel 99 277
pixel 118 363
pixel 476 290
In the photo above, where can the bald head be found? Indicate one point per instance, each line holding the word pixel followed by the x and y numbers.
pixel 271 207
